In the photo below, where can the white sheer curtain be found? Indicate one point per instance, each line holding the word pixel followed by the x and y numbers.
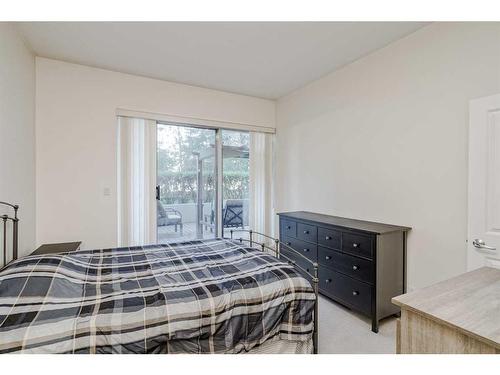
pixel 136 181
pixel 261 183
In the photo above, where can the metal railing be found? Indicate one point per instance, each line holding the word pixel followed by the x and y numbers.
pixel 280 255
pixel 15 233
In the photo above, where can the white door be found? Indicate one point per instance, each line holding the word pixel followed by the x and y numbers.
pixel 483 248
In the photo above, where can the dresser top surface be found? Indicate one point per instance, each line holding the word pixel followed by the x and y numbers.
pixel 367 226
pixel 469 302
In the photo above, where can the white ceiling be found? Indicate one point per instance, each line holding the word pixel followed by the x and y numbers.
pixel 266 60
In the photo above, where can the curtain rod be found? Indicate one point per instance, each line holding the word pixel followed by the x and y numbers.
pixel 193 121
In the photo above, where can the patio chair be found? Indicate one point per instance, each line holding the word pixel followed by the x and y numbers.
pixel 232 215
pixel 169 216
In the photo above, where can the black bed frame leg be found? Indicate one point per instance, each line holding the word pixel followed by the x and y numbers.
pixel 315 281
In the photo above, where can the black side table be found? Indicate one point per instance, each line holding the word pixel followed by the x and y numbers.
pixel 56 248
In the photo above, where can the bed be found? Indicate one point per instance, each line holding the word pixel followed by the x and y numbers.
pixel 210 296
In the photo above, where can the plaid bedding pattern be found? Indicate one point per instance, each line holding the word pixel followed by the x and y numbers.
pixel 212 296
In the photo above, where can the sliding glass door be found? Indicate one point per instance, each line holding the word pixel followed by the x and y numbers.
pixel 203 182
pixel 186 190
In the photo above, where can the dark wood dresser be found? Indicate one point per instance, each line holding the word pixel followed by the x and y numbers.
pixel 361 263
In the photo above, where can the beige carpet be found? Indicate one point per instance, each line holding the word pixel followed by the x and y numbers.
pixel 343 331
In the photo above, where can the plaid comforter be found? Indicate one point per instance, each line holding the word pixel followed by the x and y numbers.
pixel 214 296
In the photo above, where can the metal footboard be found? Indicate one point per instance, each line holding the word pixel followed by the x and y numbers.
pixel 276 249
pixel 15 232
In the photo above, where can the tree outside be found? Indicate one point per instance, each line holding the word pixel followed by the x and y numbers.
pixel 177 164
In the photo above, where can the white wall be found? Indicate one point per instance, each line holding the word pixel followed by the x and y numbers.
pixel 76 140
pixel 385 139
pixel 17 131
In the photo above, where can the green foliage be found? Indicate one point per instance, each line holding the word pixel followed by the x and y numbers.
pixel 177 165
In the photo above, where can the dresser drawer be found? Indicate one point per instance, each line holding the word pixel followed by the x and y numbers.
pixel 307 249
pixel 346 289
pixel 357 244
pixel 289 228
pixel 307 232
pixel 358 268
pixel 329 238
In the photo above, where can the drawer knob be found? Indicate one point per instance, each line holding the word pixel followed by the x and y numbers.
pixel 328 281
pixel 306 250
pixel 355 244
pixel 306 232
pixel 288 227
pixel 328 257
pixel 355 292
pixel 328 238
pixel 355 268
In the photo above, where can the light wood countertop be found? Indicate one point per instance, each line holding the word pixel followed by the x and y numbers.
pixel 469 303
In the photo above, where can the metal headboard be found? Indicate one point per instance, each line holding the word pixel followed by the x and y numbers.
pixel 277 252
pixel 15 232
